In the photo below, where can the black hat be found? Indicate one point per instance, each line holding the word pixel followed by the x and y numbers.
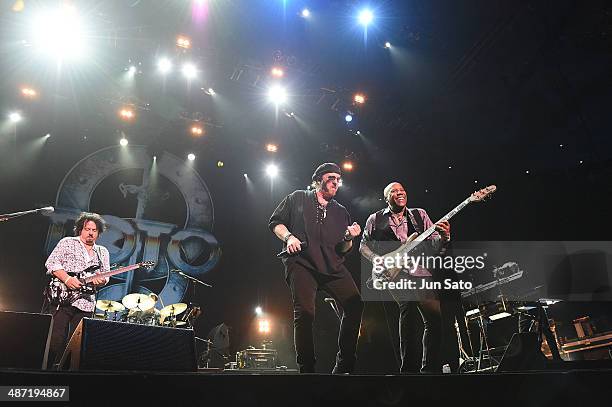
pixel 324 169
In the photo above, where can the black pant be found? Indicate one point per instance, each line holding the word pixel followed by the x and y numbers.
pixel 64 317
pixel 304 284
pixel 413 361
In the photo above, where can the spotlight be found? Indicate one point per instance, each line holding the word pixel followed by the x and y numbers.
pixel 305 13
pixel 197 130
pixel 154 158
pixel 365 17
pixel 272 148
pixel 164 65
pixel 132 70
pixel 277 72
pixel 277 94
pixel 220 164
pixel 190 71
pixel 347 166
pixel 15 117
pixel 272 170
pixel 29 93
pixel 59 33
pixel 246 175
pixel 348 118
pixel 123 142
pixel 126 114
pixel 258 309
pixel 264 326
pixel 359 98
pixel 387 44
pixel 211 91
pixel 47 135
pixel 183 42
pixel 191 156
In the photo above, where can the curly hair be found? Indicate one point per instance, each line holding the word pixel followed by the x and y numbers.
pixel 85 217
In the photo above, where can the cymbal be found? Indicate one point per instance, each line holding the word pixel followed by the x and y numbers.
pixel 138 301
pixel 173 309
pixel 109 305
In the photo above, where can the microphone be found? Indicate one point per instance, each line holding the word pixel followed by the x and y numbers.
pixel 47 209
pixel 285 253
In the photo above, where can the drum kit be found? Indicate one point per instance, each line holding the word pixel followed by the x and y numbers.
pixel 140 309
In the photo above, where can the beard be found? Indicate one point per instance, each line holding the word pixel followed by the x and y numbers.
pixel 327 191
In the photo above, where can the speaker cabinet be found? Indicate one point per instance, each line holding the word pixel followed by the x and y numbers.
pixel 24 339
pixel 110 345
pixel 523 353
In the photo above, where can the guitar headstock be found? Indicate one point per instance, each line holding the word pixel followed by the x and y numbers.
pixel 482 194
pixel 147 264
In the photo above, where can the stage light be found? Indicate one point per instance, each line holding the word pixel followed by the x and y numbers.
pixel 277 72
pixel 258 309
pixel 347 166
pixel 191 156
pixel 220 164
pixel 246 175
pixel 47 135
pixel 527 172
pixel 132 70
pixel 126 114
pixel 272 170
pixel 305 13
pixel 387 44
pixel 123 142
pixel 164 65
pixel 29 93
pixel 154 158
pixel 277 94
pixel 15 117
pixel 264 326
pixel 358 133
pixel 197 130
pixel 359 98
pixel 183 42
pixel 348 118
pixel 271 148
pixel 365 17
pixel 59 33
pixel 450 167
pixel 211 91
pixel 190 71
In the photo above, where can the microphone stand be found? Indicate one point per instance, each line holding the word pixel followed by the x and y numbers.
pixel 8 216
pixel 191 279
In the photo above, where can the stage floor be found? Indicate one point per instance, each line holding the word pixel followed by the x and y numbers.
pixel 575 387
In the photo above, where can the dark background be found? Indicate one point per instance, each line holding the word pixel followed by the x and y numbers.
pixel 491 89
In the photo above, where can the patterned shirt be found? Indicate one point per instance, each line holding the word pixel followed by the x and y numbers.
pixel 71 256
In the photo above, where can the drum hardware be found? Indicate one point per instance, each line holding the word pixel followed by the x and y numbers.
pixel 109 306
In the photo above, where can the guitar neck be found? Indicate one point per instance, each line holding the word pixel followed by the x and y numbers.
pixel 112 272
pixel 446 217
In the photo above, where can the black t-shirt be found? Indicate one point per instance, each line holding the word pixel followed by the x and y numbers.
pixel 298 212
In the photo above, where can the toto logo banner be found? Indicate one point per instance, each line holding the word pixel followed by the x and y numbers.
pixel 156 208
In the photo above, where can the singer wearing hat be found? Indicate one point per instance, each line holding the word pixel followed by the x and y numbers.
pixel 317 233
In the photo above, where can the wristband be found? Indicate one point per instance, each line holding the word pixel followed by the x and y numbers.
pixel 287 236
pixel 349 237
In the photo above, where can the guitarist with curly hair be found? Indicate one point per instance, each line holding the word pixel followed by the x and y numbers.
pixel 71 257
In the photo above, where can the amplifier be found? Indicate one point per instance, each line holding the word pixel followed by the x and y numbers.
pixel 256 359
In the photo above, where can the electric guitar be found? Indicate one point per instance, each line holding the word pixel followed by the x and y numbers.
pixel 415 240
pixel 56 292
